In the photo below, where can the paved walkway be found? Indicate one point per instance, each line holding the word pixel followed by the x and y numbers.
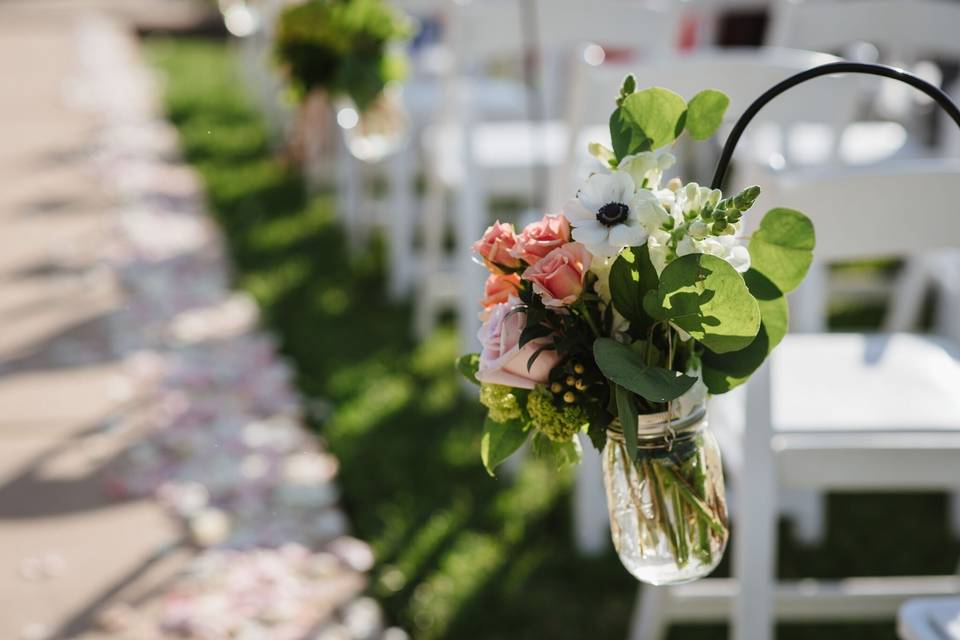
pixel 63 546
pixel 127 368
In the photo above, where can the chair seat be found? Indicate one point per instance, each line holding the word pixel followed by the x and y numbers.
pixel 856 382
pixel 892 394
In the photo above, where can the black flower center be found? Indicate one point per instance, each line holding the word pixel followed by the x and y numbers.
pixel 612 214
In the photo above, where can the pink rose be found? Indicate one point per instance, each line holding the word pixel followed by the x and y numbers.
pixel 558 277
pixel 540 238
pixel 496 245
pixel 502 361
pixel 499 287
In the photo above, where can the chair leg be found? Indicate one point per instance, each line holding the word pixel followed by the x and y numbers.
pixel 649 620
pixel 433 228
pixel 590 520
pixel 472 211
pixel 755 536
pixel 401 214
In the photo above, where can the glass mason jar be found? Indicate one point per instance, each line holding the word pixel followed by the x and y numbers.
pixel 668 513
pixel 379 130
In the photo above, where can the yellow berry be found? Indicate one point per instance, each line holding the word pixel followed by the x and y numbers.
pixel 570 381
pixel 568 397
pixel 578 368
pixel 556 387
pixel 581 385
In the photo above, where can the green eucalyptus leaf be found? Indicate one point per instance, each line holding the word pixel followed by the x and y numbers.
pixel 725 371
pixel 468 365
pixel 626 138
pixel 626 367
pixel 632 275
pixel 706 297
pixel 705 113
pixel 558 454
pixel 782 247
pixel 658 113
pixel 627 412
pixel 499 441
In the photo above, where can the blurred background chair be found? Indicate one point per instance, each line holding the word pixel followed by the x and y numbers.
pixel 929 619
pixel 919 36
pixel 841 412
pixel 471 160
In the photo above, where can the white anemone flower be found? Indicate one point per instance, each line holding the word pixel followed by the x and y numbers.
pixel 610 213
pixel 647 167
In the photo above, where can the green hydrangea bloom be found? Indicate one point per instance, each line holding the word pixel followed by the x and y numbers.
pixel 501 401
pixel 559 425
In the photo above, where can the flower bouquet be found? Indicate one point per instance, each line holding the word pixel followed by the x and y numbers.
pixel 617 317
pixel 349 49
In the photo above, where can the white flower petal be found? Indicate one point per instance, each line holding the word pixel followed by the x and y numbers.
pixel 624 235
pixel 622 187
pixel 602 250
pixel 590 232
pixel 739 258
pixel 577 213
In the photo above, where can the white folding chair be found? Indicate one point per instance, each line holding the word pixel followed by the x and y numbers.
pixel 743 74
pixel 472 159
pixel 908 33
pixel 850 412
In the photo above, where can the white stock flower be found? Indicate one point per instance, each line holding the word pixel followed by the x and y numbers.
pixel 726 247
pixel 601 153
pixel 610 213
pixel 601 268
pixel 647 167
pixel 658 245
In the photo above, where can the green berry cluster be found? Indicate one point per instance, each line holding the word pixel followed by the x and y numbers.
pixel 559 424
pixel 501 401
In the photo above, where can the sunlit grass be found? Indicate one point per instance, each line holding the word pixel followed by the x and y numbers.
pixel 460 555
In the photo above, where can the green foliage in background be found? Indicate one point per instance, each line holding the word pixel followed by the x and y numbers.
pixel 458 555
pixel 342 47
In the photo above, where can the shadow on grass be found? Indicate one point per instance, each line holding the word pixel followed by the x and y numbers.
pixel 459 554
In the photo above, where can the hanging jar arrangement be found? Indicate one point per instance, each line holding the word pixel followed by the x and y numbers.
pixel 350 50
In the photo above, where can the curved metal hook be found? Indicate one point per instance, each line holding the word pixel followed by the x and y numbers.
pixel 933 91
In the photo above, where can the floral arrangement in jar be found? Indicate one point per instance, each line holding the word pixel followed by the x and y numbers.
pixel 351 51
pixel 619 316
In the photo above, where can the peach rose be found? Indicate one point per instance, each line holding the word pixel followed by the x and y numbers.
pixel 499 287
pixel 558 277
pixel 496 245
pixel 502 361
pixel 541 237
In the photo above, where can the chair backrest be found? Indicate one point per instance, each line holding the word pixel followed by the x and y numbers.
pixel 743 74
pixel 483 30
pixel 897 208
pixel 904 30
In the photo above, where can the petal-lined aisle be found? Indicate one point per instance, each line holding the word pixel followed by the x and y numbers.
pixel 191 413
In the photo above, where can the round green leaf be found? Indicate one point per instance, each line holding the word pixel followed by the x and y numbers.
pixel 631 276
pixel 782 247
pixel 706 297
pixel 499 441
pixel 705 113
pixel 657 113
pixel 724 371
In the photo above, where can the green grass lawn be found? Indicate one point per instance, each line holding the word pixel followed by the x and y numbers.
pixel 459 555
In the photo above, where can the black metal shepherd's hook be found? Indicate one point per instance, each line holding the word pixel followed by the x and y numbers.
pixel 934 92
